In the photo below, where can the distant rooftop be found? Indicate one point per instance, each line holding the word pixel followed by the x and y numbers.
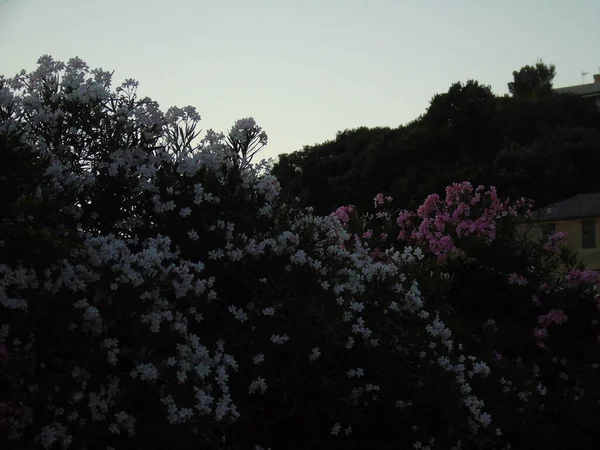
pixel 580 206
pixel 585 90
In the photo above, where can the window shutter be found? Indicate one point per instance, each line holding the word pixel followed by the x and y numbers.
pixel 588 234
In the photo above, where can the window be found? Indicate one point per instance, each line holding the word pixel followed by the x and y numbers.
pixel 548 229
pixel 588 234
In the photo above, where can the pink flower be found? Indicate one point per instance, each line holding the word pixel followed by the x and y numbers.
pixel 343 213
pixel 456 190
pixel 404 217
pixel 553 316
pixel 559 236
pixel 375 254
pixel 402 235
pixel 442 247
pixel 462 210
pixel 429 206
pixel 554 242
pixel 576 278
pixel 380 199
pixel 540 333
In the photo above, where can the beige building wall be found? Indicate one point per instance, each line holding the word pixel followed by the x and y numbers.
pixel 588 256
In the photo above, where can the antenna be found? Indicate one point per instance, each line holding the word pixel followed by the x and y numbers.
pixel 583 74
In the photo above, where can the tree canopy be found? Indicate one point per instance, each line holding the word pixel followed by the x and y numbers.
pixel 532 80
pixel 543 147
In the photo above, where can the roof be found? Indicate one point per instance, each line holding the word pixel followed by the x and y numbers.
pixel 580 206
pixel 590 89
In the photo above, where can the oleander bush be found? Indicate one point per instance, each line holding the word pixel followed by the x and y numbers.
pixel 526 307
pixel 156 292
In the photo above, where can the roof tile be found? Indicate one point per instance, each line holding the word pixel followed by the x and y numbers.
pixel 577 207
pixel 581 89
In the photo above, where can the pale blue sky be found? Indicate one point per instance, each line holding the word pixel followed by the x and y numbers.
pixel 304 69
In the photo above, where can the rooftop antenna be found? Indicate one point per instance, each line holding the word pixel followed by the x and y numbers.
pixel 583 74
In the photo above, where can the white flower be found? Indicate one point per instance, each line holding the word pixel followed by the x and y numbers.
pixel 314 355
pixel 258 385
pixel 112 356
pixel 238 313
pixel 542 389
pixel 146 372
pixel 481 368
pixel 299 257
pixel 280 339
pixel 359 372
pixel 357 306
pixel 335 430
pixel 350 343
pixel 268 311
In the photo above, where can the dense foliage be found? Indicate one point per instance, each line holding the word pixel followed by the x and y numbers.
pixel 535 144
pixel 156 291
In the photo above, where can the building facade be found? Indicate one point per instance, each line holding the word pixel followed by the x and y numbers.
pixel 579 217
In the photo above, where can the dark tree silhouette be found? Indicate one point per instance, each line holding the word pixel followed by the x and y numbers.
pixel 532 81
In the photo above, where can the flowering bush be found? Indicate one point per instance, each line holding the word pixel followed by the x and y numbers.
pixel 157 293
pixel 525 307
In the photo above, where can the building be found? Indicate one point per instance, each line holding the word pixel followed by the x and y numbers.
pixel 579 217
pixel 590 90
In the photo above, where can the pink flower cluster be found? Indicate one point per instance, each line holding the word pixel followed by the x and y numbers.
pixel 380 199
pixel 576 278
pixel 554 316
pixel 438 222
pixel 554 241
pixel 343 213
pixel 365 233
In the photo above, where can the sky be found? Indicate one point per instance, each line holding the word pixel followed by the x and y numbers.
pixel 304 69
